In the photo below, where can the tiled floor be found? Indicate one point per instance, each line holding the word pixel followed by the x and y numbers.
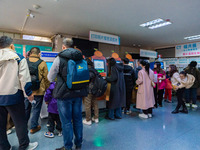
pixel 162 132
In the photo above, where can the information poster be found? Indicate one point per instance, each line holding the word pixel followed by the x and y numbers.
pixel 19 48
pixel 188 50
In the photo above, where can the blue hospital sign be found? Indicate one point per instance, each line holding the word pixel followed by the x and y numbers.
pixel 104 38
pixel 192 49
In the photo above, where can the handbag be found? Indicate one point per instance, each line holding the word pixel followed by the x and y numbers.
pixel 152 83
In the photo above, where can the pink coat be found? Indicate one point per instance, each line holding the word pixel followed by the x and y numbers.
pixel 145 94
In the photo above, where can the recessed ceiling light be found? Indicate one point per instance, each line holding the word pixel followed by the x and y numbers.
pixel 157 23
pixel 195 37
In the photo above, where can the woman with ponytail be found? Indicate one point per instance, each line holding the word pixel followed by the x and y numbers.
pixel 145 94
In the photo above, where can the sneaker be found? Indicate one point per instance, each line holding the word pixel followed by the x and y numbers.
pixel 95 120
pixel 49 134
pixel 194 106
pixel 128 112
pixel 187 104
pixel 87 122
pixel 168 101
pixel 32 146
pixel 59 133
pixel 150 115
pixel 9 131
pixel 63 148
pixel 143 116
pixel 32 131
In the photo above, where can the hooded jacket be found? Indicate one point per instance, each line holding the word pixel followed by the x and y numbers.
pixel 117 91
pixel 52 102
pixel 196 73
pixel 15 80
pixel 59 70
pixel 189 83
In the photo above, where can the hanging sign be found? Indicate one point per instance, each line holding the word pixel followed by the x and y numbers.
pixel 104 38
pixel 188 50
pixel 148 53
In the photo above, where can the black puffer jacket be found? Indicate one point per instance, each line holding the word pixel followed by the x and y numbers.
pixel 61 91
pixel 129 76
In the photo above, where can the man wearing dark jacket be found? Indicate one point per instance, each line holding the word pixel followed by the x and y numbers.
pixel 129 77
pixel 191 94
pixel 69 101
pixel 117 92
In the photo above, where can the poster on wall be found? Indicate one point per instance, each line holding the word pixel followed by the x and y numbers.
pixel 148 53
pixel 42 48
pixel 19 48
pixel 188 50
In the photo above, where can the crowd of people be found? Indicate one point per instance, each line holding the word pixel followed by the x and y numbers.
pixel 25 83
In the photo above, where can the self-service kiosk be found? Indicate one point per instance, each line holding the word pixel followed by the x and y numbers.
pixel 131 60
pixel 100 63
pixel 48 57
pixel 116 57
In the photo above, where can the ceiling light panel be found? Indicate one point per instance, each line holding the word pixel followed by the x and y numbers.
pixel 147 24
pixel 157 23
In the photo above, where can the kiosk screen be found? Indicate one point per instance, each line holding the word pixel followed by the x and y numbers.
pixel 99 65
pixel 49 64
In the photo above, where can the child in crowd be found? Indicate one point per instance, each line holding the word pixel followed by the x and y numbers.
pixel 168 88
pixel 53 113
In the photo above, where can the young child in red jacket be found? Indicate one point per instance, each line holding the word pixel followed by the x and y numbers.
pixel 168 89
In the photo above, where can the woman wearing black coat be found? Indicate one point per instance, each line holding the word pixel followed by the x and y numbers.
pixel 117 93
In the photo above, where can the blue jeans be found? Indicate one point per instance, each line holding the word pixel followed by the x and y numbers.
pixel 112 113
pixel 191 94
pixel 70 110
pixel 36 109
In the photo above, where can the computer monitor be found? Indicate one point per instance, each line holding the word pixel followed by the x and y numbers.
pixel 49 64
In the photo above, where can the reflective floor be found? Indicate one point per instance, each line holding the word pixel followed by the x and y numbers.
pixel 162 132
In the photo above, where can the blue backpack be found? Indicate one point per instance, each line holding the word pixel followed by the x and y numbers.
pixel 78 76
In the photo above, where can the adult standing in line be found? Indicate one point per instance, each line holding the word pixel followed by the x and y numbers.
pixel 38 68
pixel 145 94
pixel 117 92
pixel 191 93
pixel 69 101
pixel 129 76
pixel 15 83
pixel 161 83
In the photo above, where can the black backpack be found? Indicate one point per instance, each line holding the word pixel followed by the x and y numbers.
pixel 99 86
pixel 33 68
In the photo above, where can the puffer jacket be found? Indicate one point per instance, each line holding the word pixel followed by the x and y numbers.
pixel 196 73
pixel 189 83
pixel 15 80
pixel 43 72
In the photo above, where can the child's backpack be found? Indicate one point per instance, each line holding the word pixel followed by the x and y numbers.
pixel 99 86
pixel 78 76
pixel 33 68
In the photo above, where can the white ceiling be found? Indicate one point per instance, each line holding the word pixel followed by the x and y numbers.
pixel 119 17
